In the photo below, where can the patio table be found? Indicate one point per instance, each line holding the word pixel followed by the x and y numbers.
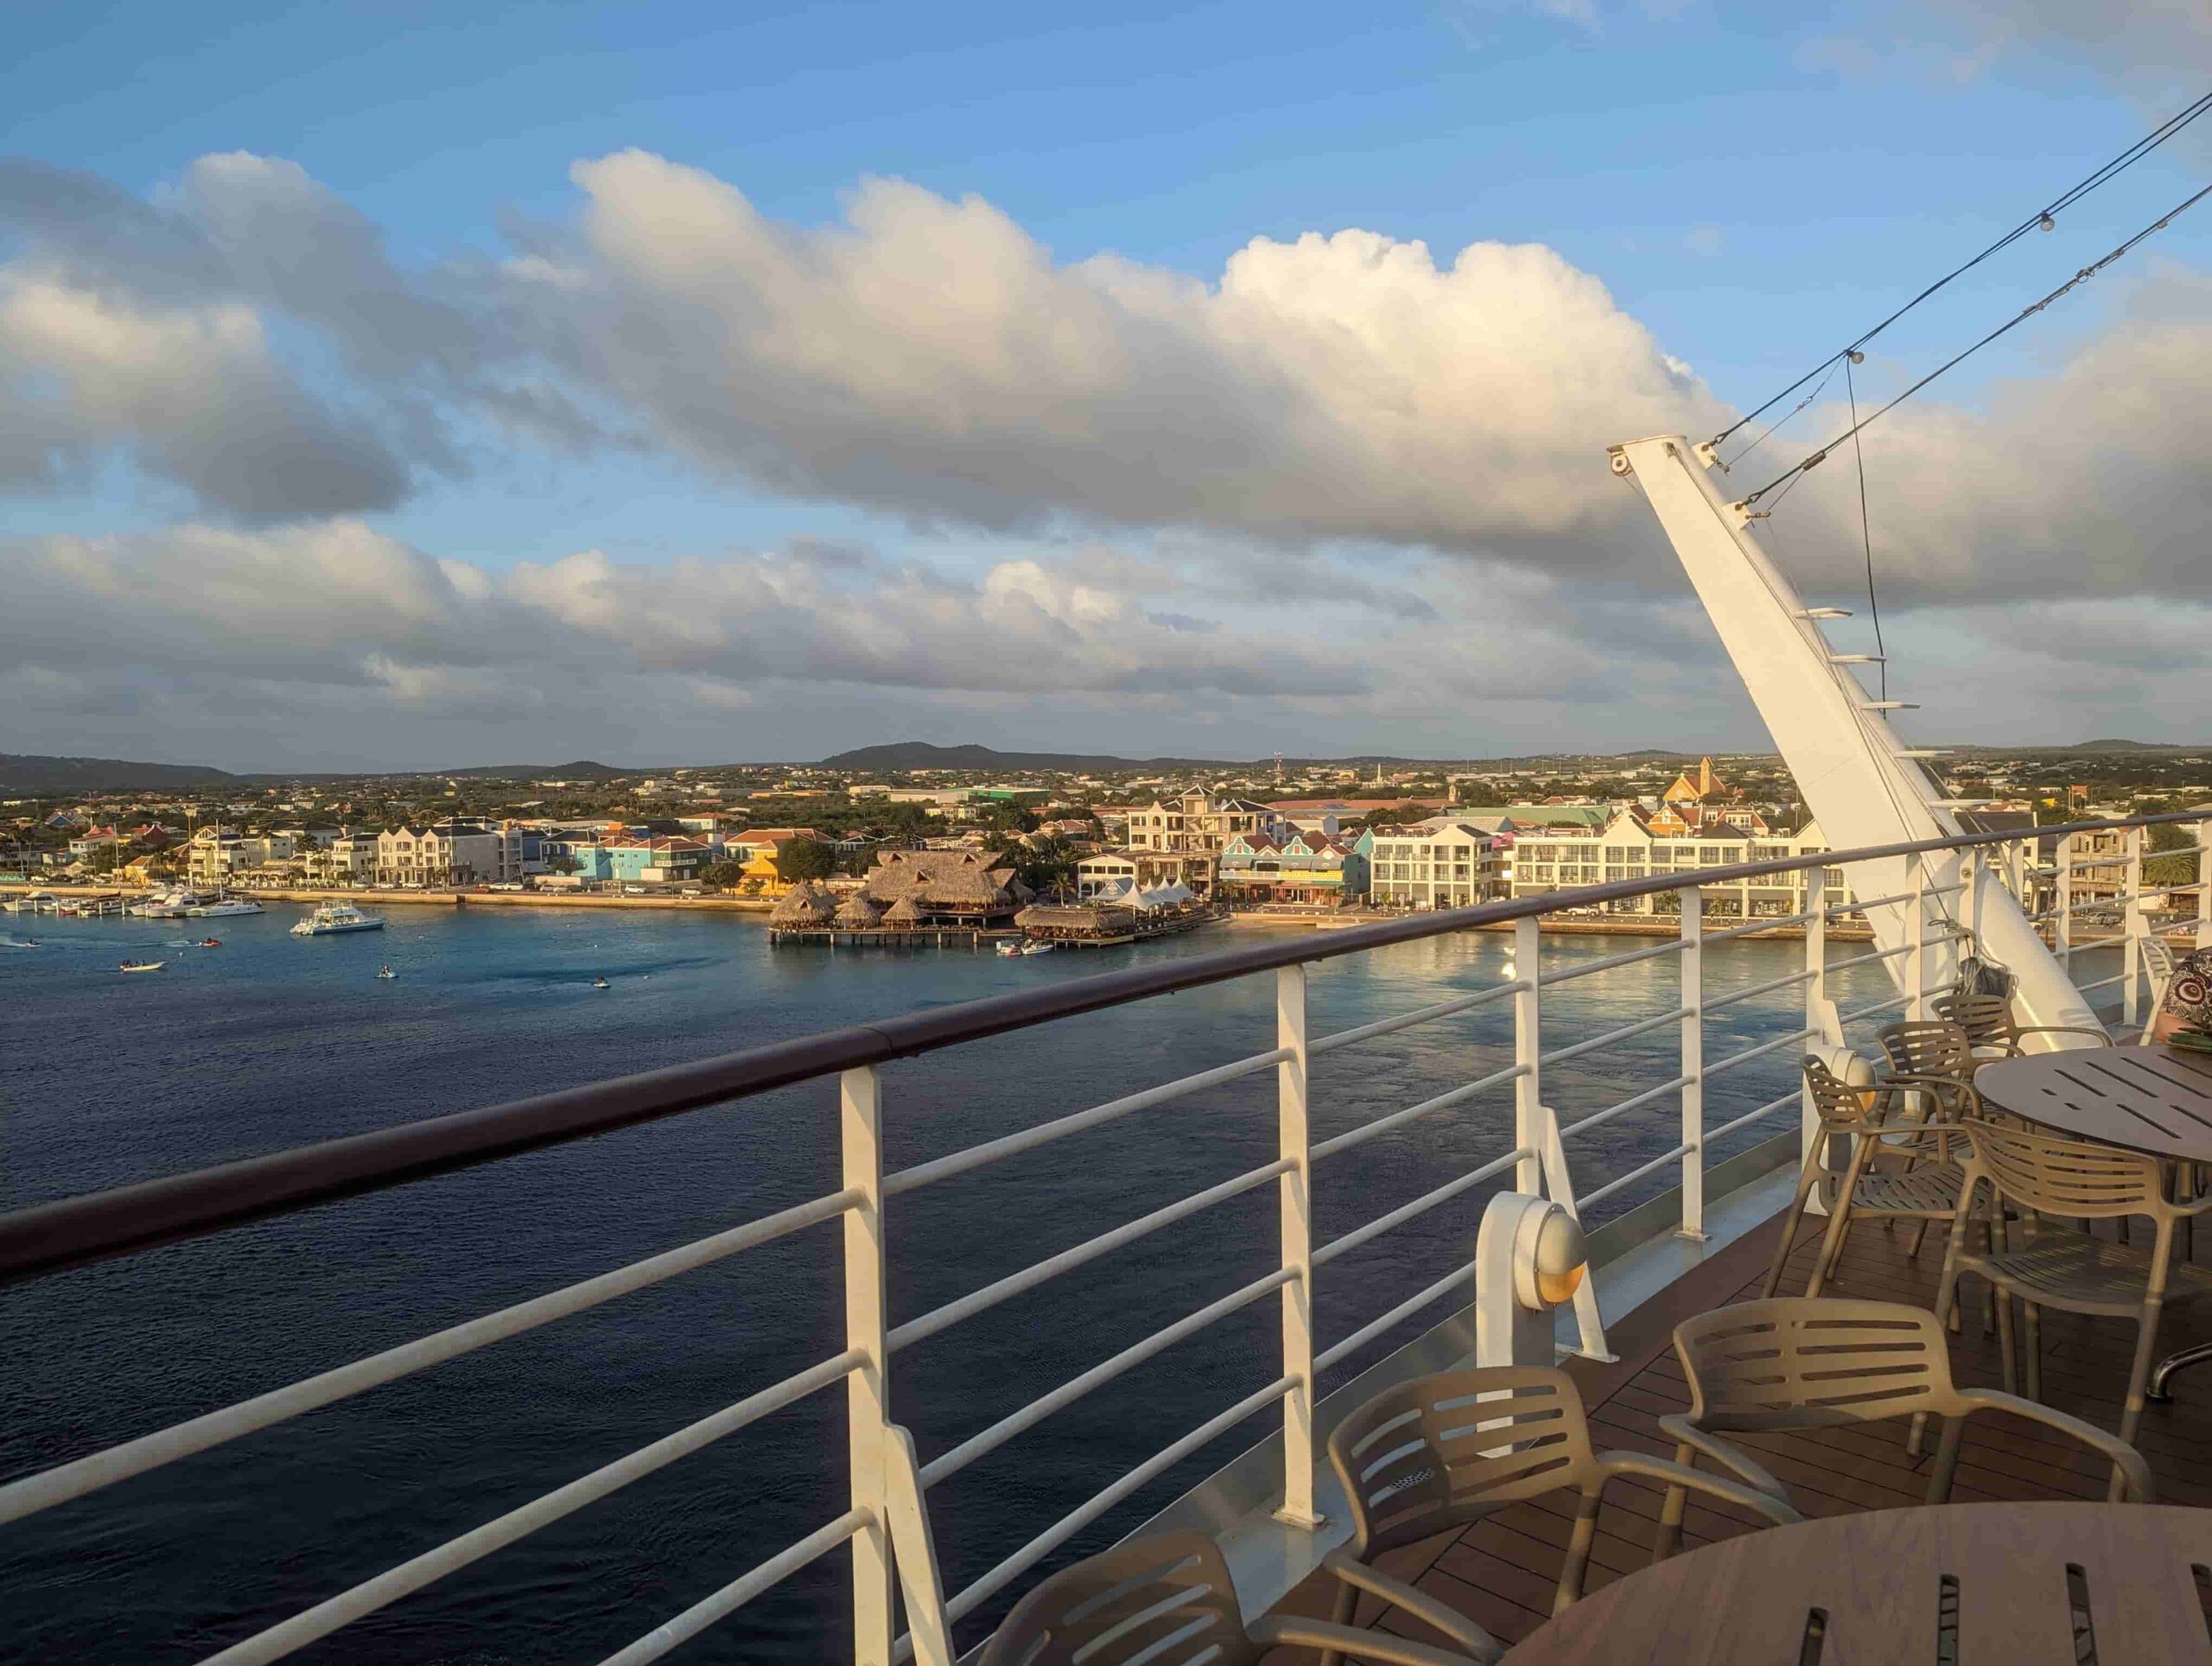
pixel 2155 1099
pixel 2023 1584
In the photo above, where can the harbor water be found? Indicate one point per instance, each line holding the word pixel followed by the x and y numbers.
pixel 271 1040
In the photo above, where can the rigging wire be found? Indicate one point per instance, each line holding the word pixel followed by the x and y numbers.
pixel 2042 218
pixel 2019 318
pixel 1866 530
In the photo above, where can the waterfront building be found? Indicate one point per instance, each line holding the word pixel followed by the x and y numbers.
pixel 946 887
pixel 1632 846
pixel 348 857
pixel 222 855
pixel 758 851
pixel 1108 872
pixel 1196 821
pixel 1304 867
pixel 1442 864
pixel 657 861
pixel 450 853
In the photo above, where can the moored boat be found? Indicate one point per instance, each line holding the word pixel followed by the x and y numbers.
pixel 333 918
pixel 225 907
pixel 142 965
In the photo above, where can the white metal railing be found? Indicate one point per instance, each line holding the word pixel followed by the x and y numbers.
pixel 886 1521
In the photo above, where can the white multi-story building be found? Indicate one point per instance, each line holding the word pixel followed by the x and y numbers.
pixel 1198 822
pixel 346 858
pixel 221 855
pixel 1441 863
pixel 450 853
pixel 1628 848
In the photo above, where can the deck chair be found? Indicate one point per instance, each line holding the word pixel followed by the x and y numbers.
pixel 1443 1452
pixel 1773 1367
pixel 1884 1181
pixel 1991 1030
pixel 2077 1273
pixel 1166 1600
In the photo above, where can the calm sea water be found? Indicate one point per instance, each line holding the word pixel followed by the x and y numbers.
pixel 272 1041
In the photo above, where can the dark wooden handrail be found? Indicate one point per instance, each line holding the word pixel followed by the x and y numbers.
pixel 97 1226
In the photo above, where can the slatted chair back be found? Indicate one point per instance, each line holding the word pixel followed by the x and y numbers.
pixel 1938 1047
pixel 1985 1021
pixel 1841 1108
pixel 1166 1600
pixel 1443 1451
pixel 1790 1364
pixel 2072 1179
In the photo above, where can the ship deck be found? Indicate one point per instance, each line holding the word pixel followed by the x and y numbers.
pixel 1502 1571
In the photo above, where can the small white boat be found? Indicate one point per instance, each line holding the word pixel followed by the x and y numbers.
pixel 386 972
pixel 1010 947
pixel 142 966
pixel 225 907
pixel 600 983
pixel 335 917
pixel 173 904
pixel 1037 946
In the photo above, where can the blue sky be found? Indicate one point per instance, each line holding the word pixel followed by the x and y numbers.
pixel 1750 185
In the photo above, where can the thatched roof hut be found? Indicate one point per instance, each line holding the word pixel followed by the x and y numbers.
pixel 905 911
pixel 804 905
pixel 857 911
pixel 958 882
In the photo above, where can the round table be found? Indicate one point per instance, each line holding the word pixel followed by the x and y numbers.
pixel 2154 1099
pixel 2010 1583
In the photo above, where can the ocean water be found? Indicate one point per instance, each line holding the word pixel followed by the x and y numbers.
pixel 271 1040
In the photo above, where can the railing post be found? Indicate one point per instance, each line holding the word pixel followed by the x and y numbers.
pixel 1915 977
pixel 2131 924
pixel 1692 1001
pixel 1558 1187
pixel 2204 885
pixel 1528 1049
pixel 867 1389
pixel 1821 1031
pixel 1296 1193
pixel 2061 934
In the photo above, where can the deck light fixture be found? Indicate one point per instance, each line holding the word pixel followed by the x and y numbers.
pixel 1530 1257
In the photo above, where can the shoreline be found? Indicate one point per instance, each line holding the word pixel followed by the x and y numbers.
pixel 1652 926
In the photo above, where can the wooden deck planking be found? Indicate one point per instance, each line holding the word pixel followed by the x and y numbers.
pixel 1502 1571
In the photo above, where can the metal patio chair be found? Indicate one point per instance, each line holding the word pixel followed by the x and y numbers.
pixel 2073 1272
pixel 1884 1180
pixel 1993 1032
pixel 1777 1367
pixel 1166 1600
pixel 1443 1452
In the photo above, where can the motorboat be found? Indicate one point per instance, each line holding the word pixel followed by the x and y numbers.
pixel 211 943
pixel 173 904
pixel 1037 946
pixel 600 983
pixel 224 907
pixel 142 965
pixel 386 972
pixel 333 918
pixel 1010 948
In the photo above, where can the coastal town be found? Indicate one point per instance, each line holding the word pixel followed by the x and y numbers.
pixel 862 851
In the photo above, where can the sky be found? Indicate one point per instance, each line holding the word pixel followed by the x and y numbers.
pixel 410 386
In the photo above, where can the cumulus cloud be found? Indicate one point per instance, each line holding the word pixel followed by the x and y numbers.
pixel 928 357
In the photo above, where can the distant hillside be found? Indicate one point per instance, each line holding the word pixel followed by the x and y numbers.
pixel 29 772
pixel 584 769
pixel 919 754
pixel 2124 745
